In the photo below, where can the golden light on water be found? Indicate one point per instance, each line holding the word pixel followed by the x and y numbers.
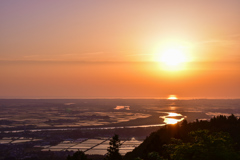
pixel 174 114
pixel 171 118
pixel 172 97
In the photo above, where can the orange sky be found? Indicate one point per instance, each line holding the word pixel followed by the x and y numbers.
pixel 94 49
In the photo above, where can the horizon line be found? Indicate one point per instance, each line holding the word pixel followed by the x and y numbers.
pixel 75 98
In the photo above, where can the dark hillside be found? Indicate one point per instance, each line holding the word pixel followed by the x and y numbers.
pixel 220 133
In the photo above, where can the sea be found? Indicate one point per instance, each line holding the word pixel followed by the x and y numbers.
pixel 62 125
pixel 110 113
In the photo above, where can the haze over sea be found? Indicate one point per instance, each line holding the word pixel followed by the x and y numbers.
pixel 108 113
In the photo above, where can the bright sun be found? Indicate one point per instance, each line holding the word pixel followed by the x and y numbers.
pixel 173 55
pixel 172 97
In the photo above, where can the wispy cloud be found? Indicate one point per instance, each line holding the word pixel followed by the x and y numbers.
pixel 231 39
pixel 132 55
pixel 82 54
pixel 235 36
pixel 87 56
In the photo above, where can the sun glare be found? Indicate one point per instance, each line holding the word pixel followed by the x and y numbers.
pixel 172 118
pixel 172 97
pixel 171 121
pixel 173 55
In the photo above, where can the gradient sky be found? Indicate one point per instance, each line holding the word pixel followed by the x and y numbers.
pixel 93 48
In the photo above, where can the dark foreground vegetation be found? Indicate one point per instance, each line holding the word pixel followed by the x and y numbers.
pixel 218 138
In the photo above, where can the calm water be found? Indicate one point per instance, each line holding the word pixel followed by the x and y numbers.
pixel 105 114
pixel 109 113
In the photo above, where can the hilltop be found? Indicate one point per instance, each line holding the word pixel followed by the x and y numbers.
pixel 218 138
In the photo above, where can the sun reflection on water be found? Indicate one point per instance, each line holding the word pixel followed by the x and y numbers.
pixel 170 121
pixel 172 118
pixel 174 114
pixel 172 97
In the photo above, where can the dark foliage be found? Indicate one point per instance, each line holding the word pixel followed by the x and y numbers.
pixel 202 145
pixel 218 138
pixel 79 155
pixel 113 150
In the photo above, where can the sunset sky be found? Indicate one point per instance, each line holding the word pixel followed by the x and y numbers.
pixel 119 49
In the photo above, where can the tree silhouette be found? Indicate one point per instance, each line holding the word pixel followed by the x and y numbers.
pixel 113 150
pixel 79 155
pixel 154 156
pixel 203 146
